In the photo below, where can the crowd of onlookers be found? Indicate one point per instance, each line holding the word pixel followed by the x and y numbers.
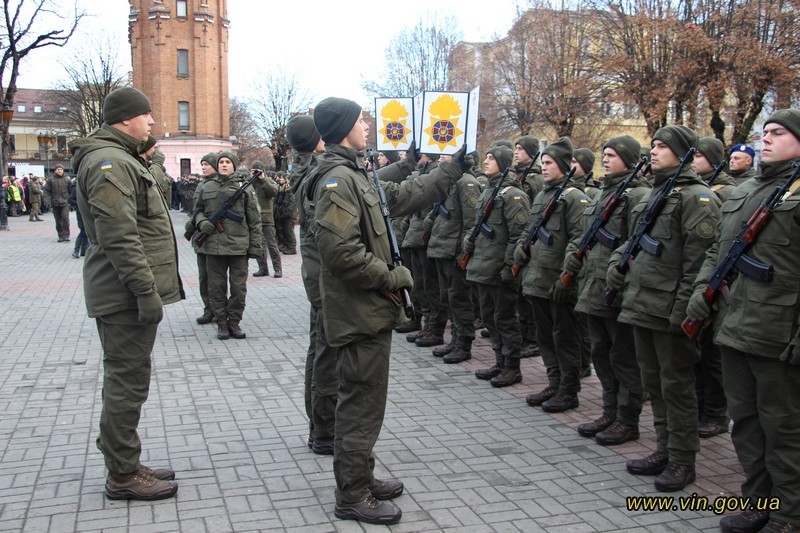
pixel 21 196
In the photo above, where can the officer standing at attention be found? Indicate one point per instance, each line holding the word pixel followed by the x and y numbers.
pixel 130 273
pixel 227 252
pixel 759 335
pixel 490 266
pixel 654 303
pixel 358 284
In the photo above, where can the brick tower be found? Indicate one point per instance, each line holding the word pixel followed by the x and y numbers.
pixel 180 61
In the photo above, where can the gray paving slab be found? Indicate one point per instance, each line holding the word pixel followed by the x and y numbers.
pixel 229 418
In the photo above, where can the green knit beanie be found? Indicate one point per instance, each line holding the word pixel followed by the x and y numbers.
pixel 211 159
pixel 149 143
pixel 124 104
pixel 561 151
pixel 713 149
pixel 627 148
pixel 258 165
pixel 229 155
pixel 302 134
pixel 503 155
pixel 679 139
pixel 503 142
pixel 585 159
pixel 788 118
pixel 335 117
pixel 530 144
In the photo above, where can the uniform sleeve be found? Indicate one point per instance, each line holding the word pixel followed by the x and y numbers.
pixel 469 195
pixel 418 193
pixel 253 221
pixel 396 172
pixel 112 197
pixel 516 209
pixel 700 216
pixel 338 221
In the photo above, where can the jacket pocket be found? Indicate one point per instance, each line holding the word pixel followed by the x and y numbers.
pixel 768 311
pixel 662 227
pixel 657 288
pixel 155 200
pixel 372 200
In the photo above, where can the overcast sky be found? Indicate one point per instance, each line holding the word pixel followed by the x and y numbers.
pixel 331 46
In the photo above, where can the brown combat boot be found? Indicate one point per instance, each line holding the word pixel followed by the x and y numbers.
pixel 235 331
pixel 510 375
pixel 139 485
pixel 446 349
pixel 462 352
pixel 261 272
pixel 223 333
pixel 205 318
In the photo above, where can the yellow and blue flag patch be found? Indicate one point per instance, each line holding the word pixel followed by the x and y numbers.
pixel 331 184
pixel 105 165
pixel 703 198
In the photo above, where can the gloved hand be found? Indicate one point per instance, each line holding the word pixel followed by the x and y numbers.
pixel 189 226
pixel 614 278
pixel 459 157
pixel 520 256
pixel 151 310
pixel 506 276
pixel 427 224
pixel 559 293
pixel 697 309
pixel 411 154
pixel 572 264
pixel 469 247
pixel 792 352
pixel 399 278
pixel 206 227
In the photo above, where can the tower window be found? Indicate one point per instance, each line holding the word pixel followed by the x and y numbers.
pixel 183 63
pixel 183 116
pixel 181 9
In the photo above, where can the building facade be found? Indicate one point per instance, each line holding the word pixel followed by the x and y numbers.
pixel 180 61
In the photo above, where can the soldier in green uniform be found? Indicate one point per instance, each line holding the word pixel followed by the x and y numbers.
pixel 553 306
pixel 130 273
pixel 227 252
pixel 759 336
pixel 741 162
pixel 613 352
pixel 358 284
pixel 57 188
pixel 450 222
pixel 525 149
pixel 583 163
pixel 266 191
pixel 208 164
pixel 490 267
pixel 654 303
pixel 712 408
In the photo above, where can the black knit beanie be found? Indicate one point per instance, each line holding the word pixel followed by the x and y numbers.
pixel 231 156
pixel 627 148
pixel 302 134
pixel 149 143
pixel 561 151
pixel 679 139
pixel 530 144
pixel 713 149
pixel 585 159
pixel 211 159
pixel 503 155
pixel 788 118
pixel 124 104
pixel 335 117
pixel 391 155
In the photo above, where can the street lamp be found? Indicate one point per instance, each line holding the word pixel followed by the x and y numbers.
pixel 5 119
pixel 46 139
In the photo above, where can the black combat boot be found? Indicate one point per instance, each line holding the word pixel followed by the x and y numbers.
pixel 511 374
pixel 749 521
pixel 462 352
pixel 561 402
pixel 446 349
pixel 205 318
pixel 492 371
pixel 590 429
pixel 429 339
pixel 412 337
pixel 223 333
pixel 261 272
pixel 235 330
pixel 652 465
pixel 675 477
pixel 617 433
pixel 408 327
pixel 530 349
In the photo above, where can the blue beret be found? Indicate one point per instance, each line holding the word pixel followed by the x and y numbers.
pixel 743 148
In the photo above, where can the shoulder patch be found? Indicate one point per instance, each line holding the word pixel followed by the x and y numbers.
pixel 331 184
pixel 705 229
pixel 106 165
pixel 703 199
pixel 521 218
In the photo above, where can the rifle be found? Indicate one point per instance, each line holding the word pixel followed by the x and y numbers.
pixel 539 228
pixel 587 178
pixel 480 223
pixel 438 209
pixel 596 232
pixel 737 260
pixel 405 296
pixel 224 211
pixel 640 240
pixel 528 169
pixel 710 181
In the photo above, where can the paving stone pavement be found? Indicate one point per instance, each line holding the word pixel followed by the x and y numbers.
pixel 229 418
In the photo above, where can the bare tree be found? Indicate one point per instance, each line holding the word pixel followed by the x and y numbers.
pixel 278 97
pixel 89 79
pixel 22 33
pixel 417 59
pixel 244 127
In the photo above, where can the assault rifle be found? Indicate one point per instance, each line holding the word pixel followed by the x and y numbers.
pixel 640 239
pixel 404 296
pixel 224 211
pixel 539 228
pixel 588 177
pixel 597 232
pixel 710 181
pixel 480 224
pixel 528 169
pixel 737 260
